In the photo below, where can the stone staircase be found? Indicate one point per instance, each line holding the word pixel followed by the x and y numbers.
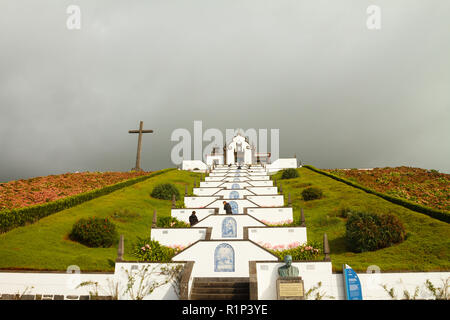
pixel 221 289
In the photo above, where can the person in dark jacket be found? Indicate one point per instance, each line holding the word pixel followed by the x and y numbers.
pixel 193 218
pixel 227 208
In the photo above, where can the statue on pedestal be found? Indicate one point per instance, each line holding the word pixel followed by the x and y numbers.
pixel 288 270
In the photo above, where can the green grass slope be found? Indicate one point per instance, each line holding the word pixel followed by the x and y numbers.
pixel 426 248
pixel 44 245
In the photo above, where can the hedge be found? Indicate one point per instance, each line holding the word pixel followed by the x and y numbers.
pixel 434 213
pixel 10 219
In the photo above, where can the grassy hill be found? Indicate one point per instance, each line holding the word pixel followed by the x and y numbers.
pixel 44 245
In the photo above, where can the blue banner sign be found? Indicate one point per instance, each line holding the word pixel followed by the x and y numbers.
pixel 352 284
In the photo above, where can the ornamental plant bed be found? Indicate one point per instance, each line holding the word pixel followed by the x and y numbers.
pixel 426 187
pixel 39 190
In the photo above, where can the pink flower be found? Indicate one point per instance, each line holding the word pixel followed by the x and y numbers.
pixel 143 248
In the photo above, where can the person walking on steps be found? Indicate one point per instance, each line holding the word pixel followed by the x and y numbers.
pixel 227 208
pixel 193 219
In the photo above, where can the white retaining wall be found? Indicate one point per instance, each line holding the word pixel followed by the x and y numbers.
pixel 333 284
pixel 165 292
pixel 268 200
pixel 203 255
pixel 263 190
pixel 240 202
pixel 215 222
pixel 183 214
pixel 49 282
pixel 199 202
pixel 281 164
pixel 193 164
pixel 277 236
pixel 272 215
pixel 311 273
pixel 182 237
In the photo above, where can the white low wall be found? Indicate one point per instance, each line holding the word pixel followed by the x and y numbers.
pixel 183 214
pixel 272 215
pixel 199 202
pixel 226 193
pixel 263 190
pixel 165 292
pixel 281 164
pixel 203 255
pixel 371 284
pixel 193 164
pixel 258 178
pixel 242 204
pixel 210 184
pixel 202 191
pixel 178 237
pixel 268 200
pixel 333 284
pixel 261 183
pixel 216 221
pixel 212 178
pixel 278 238
pixel 311 273
pixel 50 283
pixel 229 185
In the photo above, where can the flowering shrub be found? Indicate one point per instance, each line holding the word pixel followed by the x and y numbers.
pixel 152 250
pixel 165 191
pixel 171 222
pixel 94 232
pixel 179 247
pixel 308 251
pixel 370 231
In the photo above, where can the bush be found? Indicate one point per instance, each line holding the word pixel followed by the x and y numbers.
pixel 94 232
pixel 165 191
pixel 152 250
pixel 370 231
pixel 312 193
pixel 310 251
pixel 289 173
pixel 171 222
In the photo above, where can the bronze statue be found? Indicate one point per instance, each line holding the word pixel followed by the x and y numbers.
pixel 288 270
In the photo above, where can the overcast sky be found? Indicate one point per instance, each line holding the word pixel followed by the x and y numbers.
pixel 341 95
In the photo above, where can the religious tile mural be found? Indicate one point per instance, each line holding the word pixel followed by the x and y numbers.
pixel 224 258
pixel 229 228
pixel 234 207
pixel 234 195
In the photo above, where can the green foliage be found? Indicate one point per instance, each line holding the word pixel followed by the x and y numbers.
pixel 309 251
pixel 312 193
pixel 171 222
pixel 165 191
pixel 152 250
pixel 94 232
pixel 14 218
pixel 439 293
pixel 289 173
pixel 371 231
pixel 434 213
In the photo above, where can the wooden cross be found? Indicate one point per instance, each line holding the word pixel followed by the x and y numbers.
pixel 139 146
